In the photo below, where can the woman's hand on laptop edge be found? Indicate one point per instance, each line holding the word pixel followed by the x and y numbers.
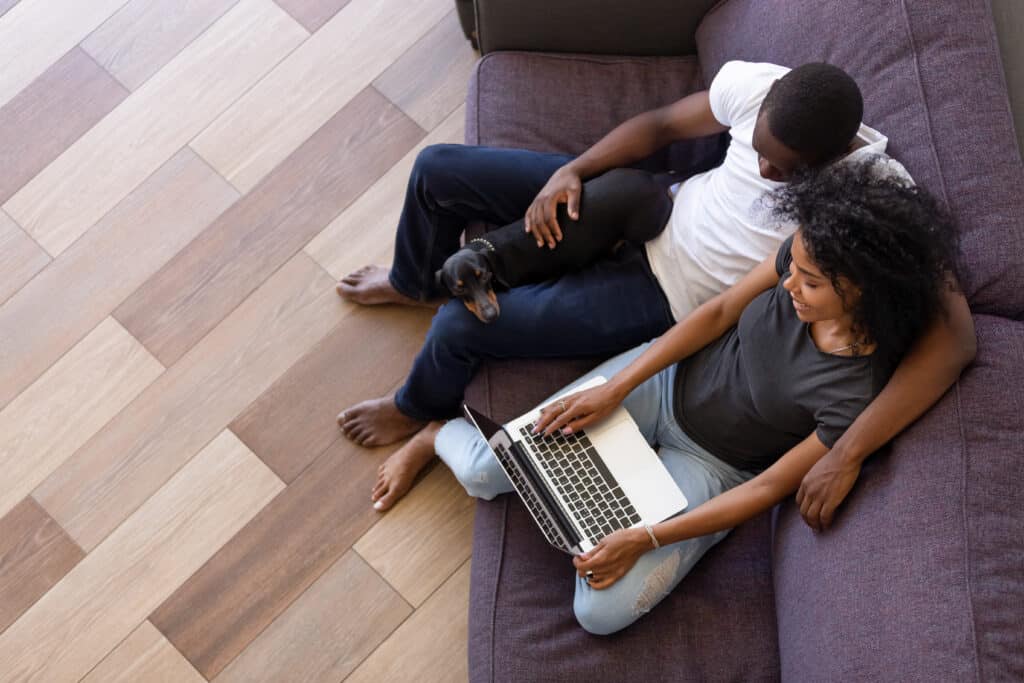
pixel 576 411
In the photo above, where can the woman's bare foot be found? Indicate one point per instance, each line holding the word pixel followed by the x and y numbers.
pixel 377 422
pixel 370 286
pixel 395 476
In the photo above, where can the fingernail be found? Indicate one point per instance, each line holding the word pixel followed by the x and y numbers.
pixel 567 430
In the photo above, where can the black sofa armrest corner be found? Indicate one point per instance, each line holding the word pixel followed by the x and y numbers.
pixel 608 27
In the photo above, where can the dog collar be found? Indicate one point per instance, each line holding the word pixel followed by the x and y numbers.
pixel 481 240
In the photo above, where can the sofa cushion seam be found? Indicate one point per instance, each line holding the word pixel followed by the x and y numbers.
pixel 966 536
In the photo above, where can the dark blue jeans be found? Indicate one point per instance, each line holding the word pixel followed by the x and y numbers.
pixel 606 308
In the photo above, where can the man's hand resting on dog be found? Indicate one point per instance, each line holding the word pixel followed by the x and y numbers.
pixel 563 187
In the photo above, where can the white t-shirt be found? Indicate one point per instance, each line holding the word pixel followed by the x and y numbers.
pixel 719 229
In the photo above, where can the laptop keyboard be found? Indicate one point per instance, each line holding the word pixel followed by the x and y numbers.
pixel 583 481
pixel 540 513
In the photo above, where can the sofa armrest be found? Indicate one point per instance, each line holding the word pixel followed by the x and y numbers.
pixel 612 27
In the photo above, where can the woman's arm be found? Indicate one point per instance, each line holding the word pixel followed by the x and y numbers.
pixel 927 371
pixel 706 324
pixel 616 553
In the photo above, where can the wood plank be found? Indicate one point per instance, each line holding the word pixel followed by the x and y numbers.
pixel 153 123
pixel 146 34
pixel 85 283
pixel 312 14
pixel 145 655
pixel 314 640
pixel 35 554
pixel 72 401
pixel 209 278
pixel 110 592
pixel 431 645
pixel 365 231
pixel 254 578
pixel 424 539
pixel 364 357
pixel 148 441
pixel 20 257
pixel 429 81
pixel 270 121
pixel 50 114
pixel 24 56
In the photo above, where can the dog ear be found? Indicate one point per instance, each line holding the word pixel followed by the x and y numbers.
pixel 439 281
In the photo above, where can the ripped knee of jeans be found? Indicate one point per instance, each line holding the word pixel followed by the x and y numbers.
pixel 657 584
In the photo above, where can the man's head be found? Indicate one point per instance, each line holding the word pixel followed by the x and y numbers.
pixel 809 118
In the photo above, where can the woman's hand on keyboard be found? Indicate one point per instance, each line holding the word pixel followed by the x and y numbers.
pixel 576 411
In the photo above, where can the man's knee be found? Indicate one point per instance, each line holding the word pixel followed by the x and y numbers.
pixel 434 160
pixel 455 329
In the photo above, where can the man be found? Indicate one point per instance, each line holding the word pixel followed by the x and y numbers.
pixel 779 121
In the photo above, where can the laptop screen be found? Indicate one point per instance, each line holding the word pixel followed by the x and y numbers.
pixel 486 425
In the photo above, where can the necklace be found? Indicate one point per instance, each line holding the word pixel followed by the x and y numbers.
pixel 855 346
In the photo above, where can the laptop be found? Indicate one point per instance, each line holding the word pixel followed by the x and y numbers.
pixel 581 487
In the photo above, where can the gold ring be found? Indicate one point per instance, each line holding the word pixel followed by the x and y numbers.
pixel 561 404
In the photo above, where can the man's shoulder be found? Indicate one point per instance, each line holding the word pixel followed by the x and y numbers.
pixel 739 87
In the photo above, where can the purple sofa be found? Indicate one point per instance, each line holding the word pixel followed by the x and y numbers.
pixel 922 575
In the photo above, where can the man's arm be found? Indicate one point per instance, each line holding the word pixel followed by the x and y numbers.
pixel 630 141
pixel 927 371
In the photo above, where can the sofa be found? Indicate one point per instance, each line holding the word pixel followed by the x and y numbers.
pixel 921 576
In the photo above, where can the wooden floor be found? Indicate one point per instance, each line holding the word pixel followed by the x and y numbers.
pixel 182 183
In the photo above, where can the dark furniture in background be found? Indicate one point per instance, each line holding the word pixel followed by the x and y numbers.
pixel 922 575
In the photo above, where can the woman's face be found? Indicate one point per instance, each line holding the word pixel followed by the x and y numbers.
pixel 813 296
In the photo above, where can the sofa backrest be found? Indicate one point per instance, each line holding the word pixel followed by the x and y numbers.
pixel 933 83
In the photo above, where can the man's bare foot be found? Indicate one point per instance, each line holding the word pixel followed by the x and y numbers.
pixel 395 476
pixel 370 286
pixel 377 422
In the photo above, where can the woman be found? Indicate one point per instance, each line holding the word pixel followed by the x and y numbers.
pixel 748 392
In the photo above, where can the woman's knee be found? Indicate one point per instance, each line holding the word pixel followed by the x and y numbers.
pixel 602 617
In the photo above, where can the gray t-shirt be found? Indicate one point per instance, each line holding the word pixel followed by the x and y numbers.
pixel 763 386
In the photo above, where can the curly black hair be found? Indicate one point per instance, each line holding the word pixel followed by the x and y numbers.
pixel 888 237
pixel 815 110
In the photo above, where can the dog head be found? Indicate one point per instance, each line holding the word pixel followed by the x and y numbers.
pixel 467 275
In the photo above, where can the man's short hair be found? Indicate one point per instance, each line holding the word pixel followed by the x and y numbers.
pixel 815 110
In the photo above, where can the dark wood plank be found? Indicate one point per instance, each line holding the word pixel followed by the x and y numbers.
pixel 35 554
pixel 47 116
pixel 210 277
pixel 364 357
pixel 214 615
pixel 312 14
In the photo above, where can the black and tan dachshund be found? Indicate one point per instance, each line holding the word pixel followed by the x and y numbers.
pixel 621 205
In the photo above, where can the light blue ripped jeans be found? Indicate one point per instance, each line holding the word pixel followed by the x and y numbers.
pixel 699 475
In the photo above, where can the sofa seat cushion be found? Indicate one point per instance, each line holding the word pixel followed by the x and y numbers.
pixel 933 83
pixel 717 625
pixel 920 577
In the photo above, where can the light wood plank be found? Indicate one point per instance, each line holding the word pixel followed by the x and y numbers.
pixel 136 452
pixel 85 283
pixel 24 54
pixel 72 401
pixel 365 231
pixel 429 81
pixel 153 123
pixel 81 619
pixel 431 645
pixel 312 14
pixel 270 121
pixel 263 569
pixel 209 278
pixel 35 554
pixel 365 356
pixel 20 257
pixel 145 655
pixel 146 34
pixel 50 114
pixel 326 632
pixel 424 539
